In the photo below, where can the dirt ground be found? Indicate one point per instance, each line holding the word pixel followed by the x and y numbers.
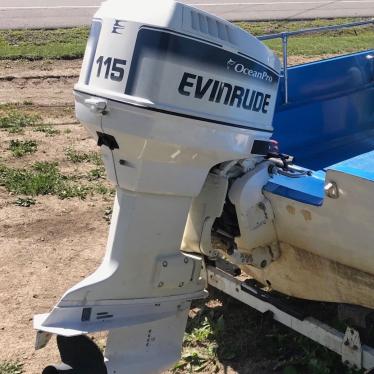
pixel 48 247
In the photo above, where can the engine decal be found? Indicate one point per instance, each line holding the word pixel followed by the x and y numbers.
pixel 181 73
pixel 226 93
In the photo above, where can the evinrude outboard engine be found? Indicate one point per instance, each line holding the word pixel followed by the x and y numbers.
pixel 170 93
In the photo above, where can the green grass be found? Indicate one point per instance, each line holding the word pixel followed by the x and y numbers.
pixel 25 202
pixel 43 44
pixel 48 130
pixel 335 42
pixel 20 148
pixel 201 345
pixel 14 121
pixel 70 43
pixel 97 173
pixel 77 157
pixel 9 367
pixel 271 27
pixel 325 45
pixel 43 178
pixel 230 334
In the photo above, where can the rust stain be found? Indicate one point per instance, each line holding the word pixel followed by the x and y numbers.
pixel 291 209
pixel 307 215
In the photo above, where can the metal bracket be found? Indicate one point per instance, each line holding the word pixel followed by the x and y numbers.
pixel 351 349
pixel 176 271
pixel 259 257
pixel 332 190
pixel 107 140
pixel 96 105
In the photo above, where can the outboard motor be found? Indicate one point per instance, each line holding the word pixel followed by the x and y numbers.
pixel 169 92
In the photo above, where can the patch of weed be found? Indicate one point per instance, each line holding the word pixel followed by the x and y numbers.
pixel 44 178
pixel 78 157
pixel 9 367
pixel 25 202
pixel 199 334
pixel 97 173
pixel 101 189
pixel 20 148
pixel 194 361
pixel 108 214
pixel 14 121
pixel 200 345
pixel 47 130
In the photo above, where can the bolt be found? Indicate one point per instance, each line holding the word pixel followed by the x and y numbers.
pixel 181 284
pixel 186 260
pixel 165 264
pixel 332 190
pixel 161 284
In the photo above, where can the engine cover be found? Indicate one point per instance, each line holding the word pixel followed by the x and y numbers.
pixel 178 59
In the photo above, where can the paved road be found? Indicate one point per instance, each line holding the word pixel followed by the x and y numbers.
pixel 60 13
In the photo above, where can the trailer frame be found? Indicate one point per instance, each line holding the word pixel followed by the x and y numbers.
pixel 348 345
